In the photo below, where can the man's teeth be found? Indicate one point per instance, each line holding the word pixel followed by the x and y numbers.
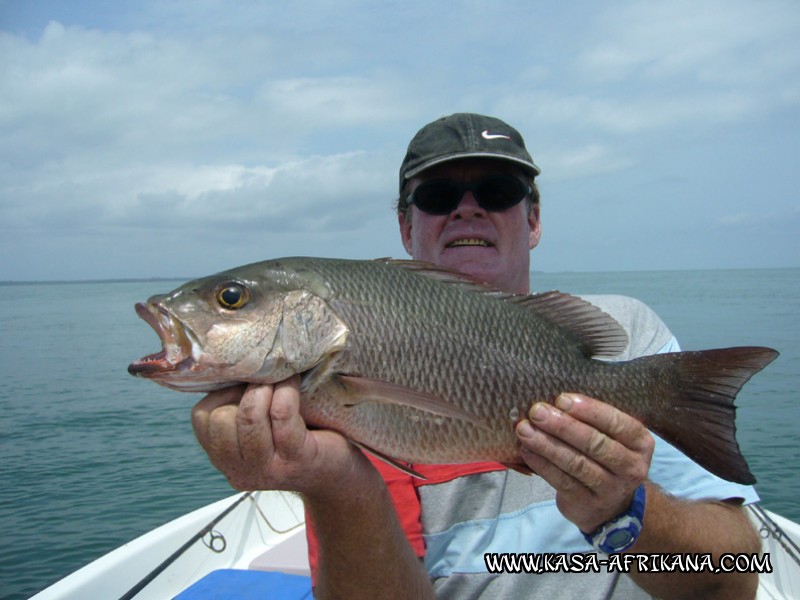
pixel 469 242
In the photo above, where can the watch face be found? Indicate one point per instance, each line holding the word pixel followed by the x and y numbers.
pixel 620 533
pixel 619 538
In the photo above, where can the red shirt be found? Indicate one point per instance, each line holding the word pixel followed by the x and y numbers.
pixel 403 489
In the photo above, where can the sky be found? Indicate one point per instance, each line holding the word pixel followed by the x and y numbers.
pixel 181 138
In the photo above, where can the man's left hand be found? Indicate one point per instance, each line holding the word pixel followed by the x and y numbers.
pixel 593 454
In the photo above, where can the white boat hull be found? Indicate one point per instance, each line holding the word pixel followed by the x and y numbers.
pixel 278 544
pixel 266 532
pixel 780 538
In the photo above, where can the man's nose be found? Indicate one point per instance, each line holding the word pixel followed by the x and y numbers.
pixel 468 206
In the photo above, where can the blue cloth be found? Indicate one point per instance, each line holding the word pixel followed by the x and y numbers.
pixel 239 584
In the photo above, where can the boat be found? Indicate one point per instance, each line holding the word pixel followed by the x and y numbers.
pixel 253 545
pixel 780 540
pixel 247 542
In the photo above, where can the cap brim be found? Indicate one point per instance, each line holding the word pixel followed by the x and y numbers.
pixel 529 166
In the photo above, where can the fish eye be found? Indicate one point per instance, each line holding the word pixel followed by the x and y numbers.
pixel 233 296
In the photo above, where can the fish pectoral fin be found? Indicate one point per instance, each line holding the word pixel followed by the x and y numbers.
pixel 373 390
pixel 389 460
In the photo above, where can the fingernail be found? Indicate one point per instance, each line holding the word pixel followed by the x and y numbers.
pixel 539 412
pixel 564 402
pixel 525 429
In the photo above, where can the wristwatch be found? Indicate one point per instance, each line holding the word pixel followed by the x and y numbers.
pixel 620 533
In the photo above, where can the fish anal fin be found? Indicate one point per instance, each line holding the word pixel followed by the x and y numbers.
pixel 519 468
pixel 389 460
pixel 372 390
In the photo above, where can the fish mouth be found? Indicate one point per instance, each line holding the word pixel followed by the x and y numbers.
pixel 176 343
pixel 460 242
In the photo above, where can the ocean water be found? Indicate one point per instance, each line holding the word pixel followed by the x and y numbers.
pixel 92 457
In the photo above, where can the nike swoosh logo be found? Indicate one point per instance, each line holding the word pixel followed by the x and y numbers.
pixel 493 136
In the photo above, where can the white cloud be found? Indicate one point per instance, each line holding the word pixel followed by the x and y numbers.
pixel 296 193
pixel 778 218
pixel 134 130
pixel 589 159
pixel 335 102
pixel 655 65
pixel 623 115
pixel 721 41
pixel 300 195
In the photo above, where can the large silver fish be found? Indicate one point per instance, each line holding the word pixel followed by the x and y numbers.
pixel 418 364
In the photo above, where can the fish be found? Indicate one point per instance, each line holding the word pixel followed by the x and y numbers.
pixel 419 364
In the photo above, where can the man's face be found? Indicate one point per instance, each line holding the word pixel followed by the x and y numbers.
pixel 492 247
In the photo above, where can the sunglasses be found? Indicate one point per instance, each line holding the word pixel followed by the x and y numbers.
pixel 494 194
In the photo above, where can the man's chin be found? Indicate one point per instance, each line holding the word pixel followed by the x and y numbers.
pixel 479 263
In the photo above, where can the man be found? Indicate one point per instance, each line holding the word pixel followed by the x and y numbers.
pixel 468 201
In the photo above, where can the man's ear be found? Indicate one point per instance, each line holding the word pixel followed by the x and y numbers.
pixel 405 230
pixel 535 224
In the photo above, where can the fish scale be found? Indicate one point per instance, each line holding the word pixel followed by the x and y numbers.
pixel 438 353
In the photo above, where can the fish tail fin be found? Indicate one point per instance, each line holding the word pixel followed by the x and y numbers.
pixel 701 419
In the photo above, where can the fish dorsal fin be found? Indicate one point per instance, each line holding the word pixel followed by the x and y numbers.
pixel 596 332
pixel 442 274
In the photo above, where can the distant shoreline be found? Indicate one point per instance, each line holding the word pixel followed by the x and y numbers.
pixel 80 281
pixel 533 273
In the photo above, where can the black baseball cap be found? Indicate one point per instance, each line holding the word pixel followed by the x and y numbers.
pixel 464 135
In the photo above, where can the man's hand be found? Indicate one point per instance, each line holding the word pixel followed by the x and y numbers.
pixel 593 454
pixel 256 437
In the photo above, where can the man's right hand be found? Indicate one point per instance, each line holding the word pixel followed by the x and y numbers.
pixel 256 437
pixel 259 441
